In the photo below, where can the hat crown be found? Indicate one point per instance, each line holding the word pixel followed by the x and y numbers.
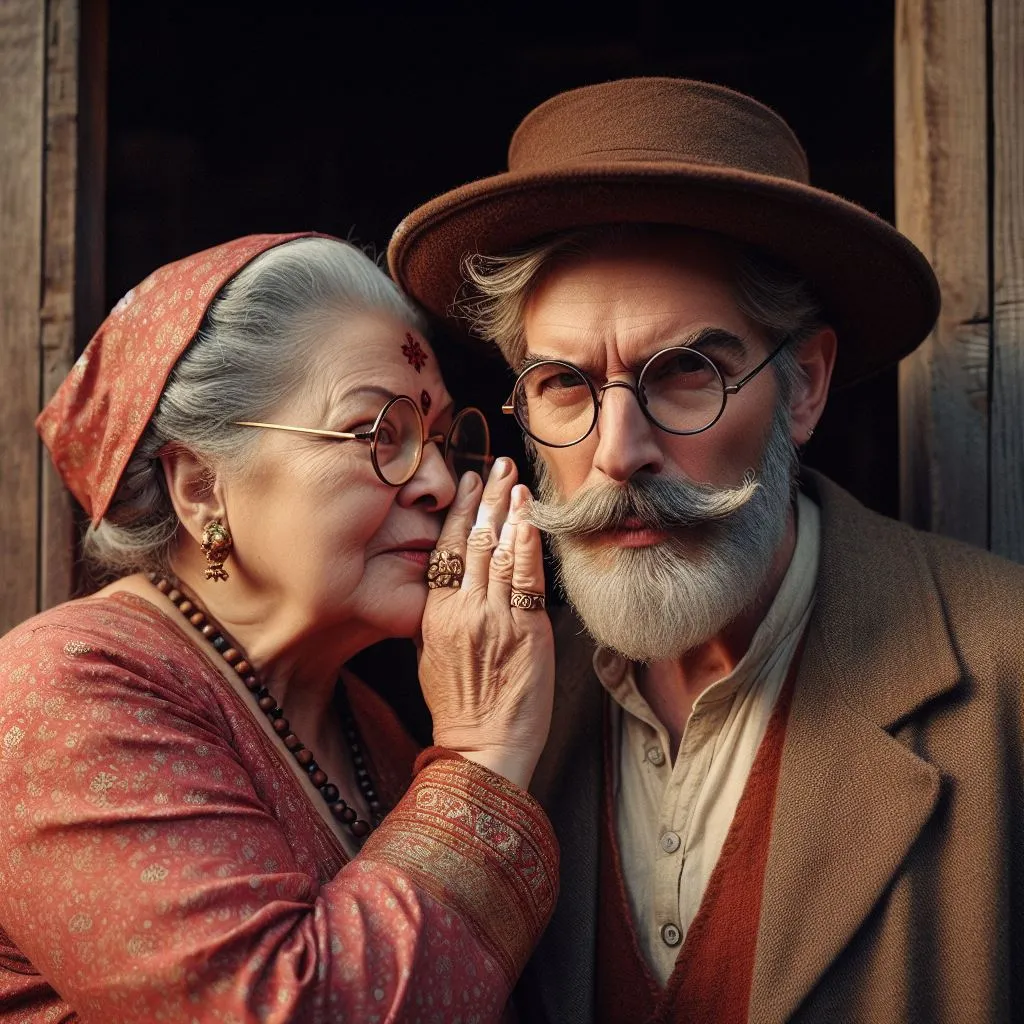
pixel 655 120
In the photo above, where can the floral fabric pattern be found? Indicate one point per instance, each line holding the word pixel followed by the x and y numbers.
pixel 159 861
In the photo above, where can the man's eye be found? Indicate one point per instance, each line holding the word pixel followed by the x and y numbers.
pixel 563 381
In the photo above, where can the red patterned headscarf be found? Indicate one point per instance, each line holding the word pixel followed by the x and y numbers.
pixel 102 408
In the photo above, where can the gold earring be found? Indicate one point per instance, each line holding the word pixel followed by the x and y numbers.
pixel 217 546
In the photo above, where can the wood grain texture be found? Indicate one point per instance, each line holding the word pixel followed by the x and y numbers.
pixel 22 70
pixel 941 204
pixel 1007 473
pixel 57 310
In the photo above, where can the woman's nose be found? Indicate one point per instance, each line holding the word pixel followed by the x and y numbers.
pixel 433 484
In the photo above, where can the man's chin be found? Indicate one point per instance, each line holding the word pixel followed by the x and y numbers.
pixel 648 604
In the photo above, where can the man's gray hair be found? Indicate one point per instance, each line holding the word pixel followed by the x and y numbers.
pixel 498 289
pixel 257 346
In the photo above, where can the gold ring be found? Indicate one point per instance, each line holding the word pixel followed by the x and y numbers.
pixel 445 569
pixel 527 601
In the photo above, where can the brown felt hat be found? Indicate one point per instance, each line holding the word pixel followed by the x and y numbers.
pixel 674 151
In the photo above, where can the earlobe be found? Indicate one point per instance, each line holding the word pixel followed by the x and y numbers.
pixel 817 358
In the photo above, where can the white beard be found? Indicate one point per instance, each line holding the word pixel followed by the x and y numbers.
pixel 657 602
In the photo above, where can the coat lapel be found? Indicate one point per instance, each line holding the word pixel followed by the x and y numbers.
pixel 559 982
pixel 851 799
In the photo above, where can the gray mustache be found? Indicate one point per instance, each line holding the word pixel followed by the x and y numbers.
pixel 654 501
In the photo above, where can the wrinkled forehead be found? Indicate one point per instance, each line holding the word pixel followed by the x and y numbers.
pixel 635 290
pixel 378 350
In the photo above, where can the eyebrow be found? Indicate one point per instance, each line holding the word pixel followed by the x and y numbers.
pixel 369 389
pixel 377 391
pixel 717 338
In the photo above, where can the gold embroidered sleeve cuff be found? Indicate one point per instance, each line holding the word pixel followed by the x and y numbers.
pixel 480 845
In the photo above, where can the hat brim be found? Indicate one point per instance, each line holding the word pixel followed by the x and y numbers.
pixel 879 291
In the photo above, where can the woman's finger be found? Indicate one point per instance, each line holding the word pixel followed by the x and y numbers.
pixel 484 536
pixel 457 523
pixel 528 569
pixel 499 583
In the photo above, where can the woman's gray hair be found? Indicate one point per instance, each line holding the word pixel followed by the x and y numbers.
pixel 499 288
pixel 257 346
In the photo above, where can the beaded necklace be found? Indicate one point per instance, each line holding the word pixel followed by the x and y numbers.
pixel 235 657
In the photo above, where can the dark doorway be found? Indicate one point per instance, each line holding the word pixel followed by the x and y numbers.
pixel 227 119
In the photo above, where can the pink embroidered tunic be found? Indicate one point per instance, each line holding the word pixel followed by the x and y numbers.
pixel 159 861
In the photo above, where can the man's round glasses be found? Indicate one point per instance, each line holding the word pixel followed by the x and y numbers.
pixel 679 390
pixel 398 436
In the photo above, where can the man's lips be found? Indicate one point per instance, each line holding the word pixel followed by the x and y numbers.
pixel 631 533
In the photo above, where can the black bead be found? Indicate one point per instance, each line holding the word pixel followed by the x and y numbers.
pixel 219 642
pixel 330 792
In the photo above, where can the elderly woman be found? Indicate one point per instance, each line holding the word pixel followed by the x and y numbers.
pixel 193 793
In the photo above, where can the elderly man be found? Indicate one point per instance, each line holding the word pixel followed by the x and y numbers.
pixel 786 767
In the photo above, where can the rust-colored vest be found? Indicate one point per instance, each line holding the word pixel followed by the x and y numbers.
pixel 711 980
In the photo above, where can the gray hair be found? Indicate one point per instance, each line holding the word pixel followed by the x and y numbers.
pixel 499 288
pixel 256 347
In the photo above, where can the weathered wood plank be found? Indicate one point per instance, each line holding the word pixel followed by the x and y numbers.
pixel 90 220
pixel 57 311
pixel 1007 467
pixel 941 204
pixel 22 69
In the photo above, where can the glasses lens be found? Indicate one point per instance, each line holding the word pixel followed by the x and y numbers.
pixel 554 403
pixel 469 444
pixel 398 440
pixel 683 390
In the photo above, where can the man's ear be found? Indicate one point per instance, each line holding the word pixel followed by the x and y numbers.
pixel 816 357
pixel 194 489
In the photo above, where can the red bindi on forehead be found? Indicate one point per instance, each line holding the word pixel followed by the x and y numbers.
pixel 413 352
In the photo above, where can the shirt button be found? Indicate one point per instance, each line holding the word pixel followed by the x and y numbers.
pixel 655 756
pixel 671 935
pixel 670 842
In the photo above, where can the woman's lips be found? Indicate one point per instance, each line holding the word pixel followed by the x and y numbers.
pixel 415 551
pixel 414 555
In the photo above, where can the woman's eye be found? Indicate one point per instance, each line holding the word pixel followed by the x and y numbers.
pixel 388 434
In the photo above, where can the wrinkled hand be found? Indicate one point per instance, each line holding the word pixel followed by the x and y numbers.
pixel 487 670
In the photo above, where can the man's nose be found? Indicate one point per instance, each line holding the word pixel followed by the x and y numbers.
pixel 626 441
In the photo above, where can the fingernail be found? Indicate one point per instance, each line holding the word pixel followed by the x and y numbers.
pixel 501 467
pixel 520 495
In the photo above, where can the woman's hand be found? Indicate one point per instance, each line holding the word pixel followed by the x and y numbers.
pixel 487 669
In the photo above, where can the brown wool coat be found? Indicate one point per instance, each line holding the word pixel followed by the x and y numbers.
pixel 894 890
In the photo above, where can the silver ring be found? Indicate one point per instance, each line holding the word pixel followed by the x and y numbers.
pixel 526 600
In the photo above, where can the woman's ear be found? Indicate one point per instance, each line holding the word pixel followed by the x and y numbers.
pixel 816 357
pixel 194 488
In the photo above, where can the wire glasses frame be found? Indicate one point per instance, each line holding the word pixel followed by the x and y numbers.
pixel 403 465
pixel 516 400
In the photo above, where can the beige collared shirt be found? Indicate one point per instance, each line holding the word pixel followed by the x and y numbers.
pixel 672 819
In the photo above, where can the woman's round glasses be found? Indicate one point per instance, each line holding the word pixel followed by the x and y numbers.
pixel 679 390
pixel 398 436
